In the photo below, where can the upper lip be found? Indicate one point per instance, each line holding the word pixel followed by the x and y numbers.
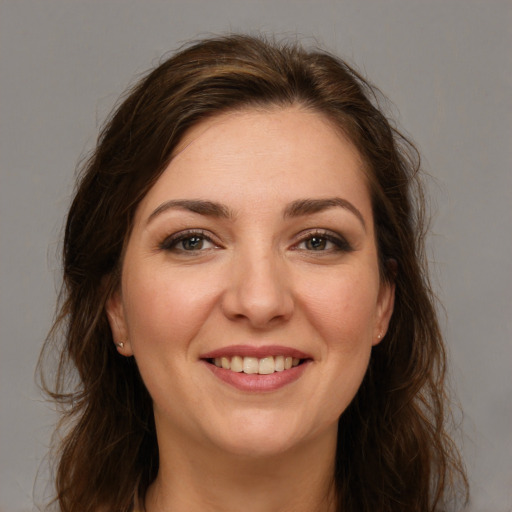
pixel 259 351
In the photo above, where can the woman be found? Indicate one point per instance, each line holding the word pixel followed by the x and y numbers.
pixel 246 304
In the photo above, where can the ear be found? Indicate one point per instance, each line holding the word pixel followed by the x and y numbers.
pixel 116 318
pixel 385 305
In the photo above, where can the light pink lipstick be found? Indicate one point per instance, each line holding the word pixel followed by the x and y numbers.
pixel 255 382
pixel 255 351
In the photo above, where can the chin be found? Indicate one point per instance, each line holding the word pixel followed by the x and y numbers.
pixel 263 436
pixel 261 447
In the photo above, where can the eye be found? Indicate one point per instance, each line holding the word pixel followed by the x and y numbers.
pixel 323 241
pixel 317 243
pixel 188 242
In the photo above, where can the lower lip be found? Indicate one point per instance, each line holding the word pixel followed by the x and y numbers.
pixel 258 383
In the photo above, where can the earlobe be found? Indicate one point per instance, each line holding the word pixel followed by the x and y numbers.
pixel 116 318
pixel 385 305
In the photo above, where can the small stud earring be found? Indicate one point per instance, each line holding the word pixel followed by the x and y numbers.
pixel 120 344
pixel 379 336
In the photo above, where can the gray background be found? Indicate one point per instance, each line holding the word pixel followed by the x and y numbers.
pixel 446 66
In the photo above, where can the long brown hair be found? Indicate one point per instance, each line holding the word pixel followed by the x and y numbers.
pixel 394 453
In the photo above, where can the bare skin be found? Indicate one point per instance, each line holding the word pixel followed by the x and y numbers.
pixel 198 480
pixel 259 234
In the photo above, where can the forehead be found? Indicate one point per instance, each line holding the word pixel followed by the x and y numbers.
pixel 294 129
pixel 256 155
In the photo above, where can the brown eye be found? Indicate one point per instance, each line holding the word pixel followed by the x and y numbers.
pixel 193 243
pixel 328 242
pixel 187 242
pixel 316 243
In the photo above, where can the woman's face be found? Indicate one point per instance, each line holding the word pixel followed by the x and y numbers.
pixel 255 246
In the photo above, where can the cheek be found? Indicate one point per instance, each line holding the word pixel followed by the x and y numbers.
pixel 165 308
pixel 164 312
pixel 342 313
pixel 342 309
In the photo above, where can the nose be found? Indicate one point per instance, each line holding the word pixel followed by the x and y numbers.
pixel 258 290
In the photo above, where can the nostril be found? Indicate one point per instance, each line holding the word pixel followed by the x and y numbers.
pixel 258 297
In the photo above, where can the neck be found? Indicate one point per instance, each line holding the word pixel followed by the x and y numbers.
pixel 199 478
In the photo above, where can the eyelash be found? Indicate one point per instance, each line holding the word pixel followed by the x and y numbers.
pixel 340 244
pixel 171 242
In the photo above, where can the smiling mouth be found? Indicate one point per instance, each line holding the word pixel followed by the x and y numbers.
pixel 254 365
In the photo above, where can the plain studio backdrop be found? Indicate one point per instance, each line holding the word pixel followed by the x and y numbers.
pixel 446 66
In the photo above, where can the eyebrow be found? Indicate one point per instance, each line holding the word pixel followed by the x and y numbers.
pixel 200 206
pixel 308 206
pixel 296 208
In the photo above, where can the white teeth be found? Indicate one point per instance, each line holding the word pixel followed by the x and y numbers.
pixel 266 366
pixel 237 364
pixel 279 363
pixel 253 365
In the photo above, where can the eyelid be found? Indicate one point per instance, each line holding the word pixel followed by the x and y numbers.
pixel 169 242
pixel 341 243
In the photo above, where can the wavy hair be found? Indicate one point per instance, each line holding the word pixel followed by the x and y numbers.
pixel 394 453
